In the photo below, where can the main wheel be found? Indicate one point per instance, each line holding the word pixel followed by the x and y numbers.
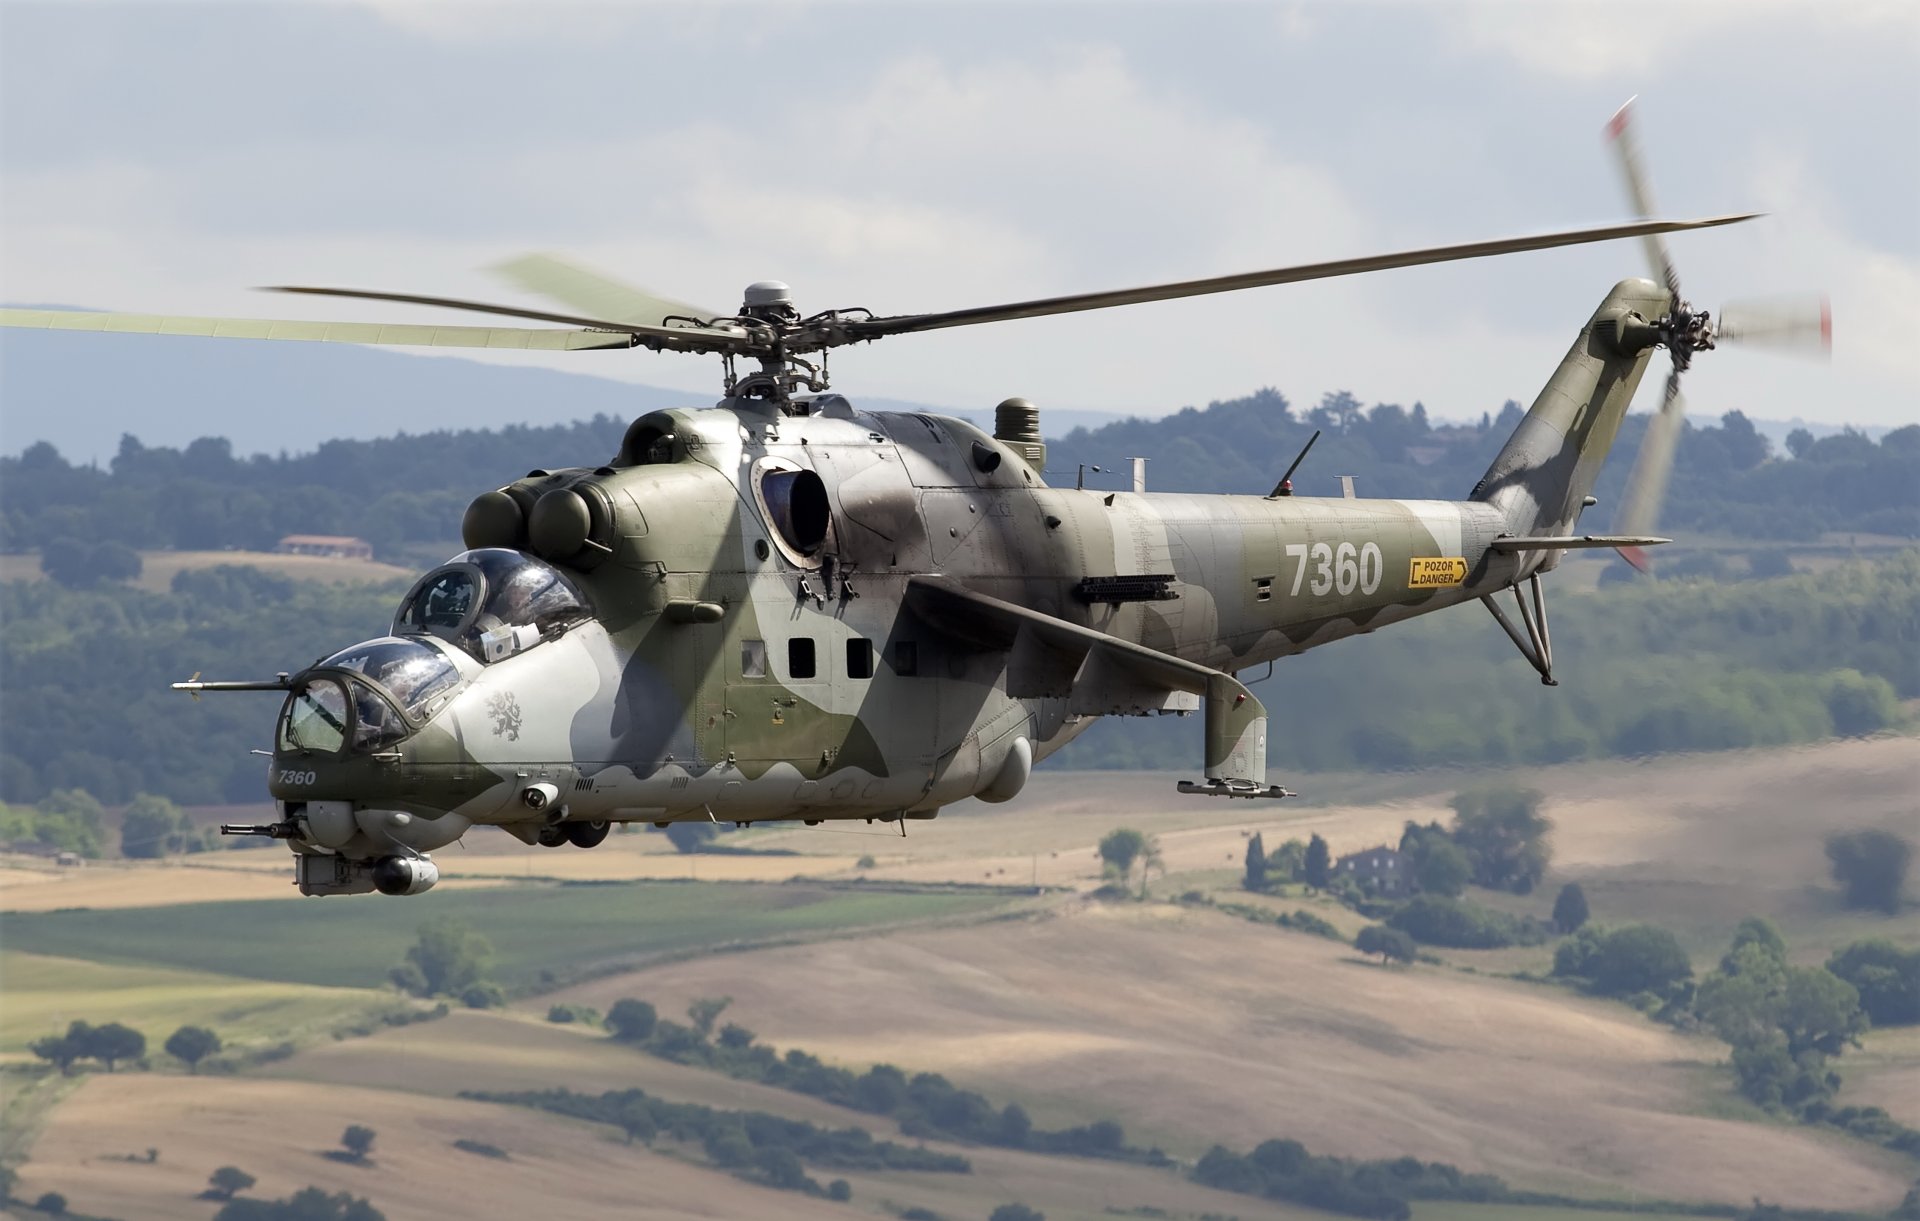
pixel 587 834
pixel 553 835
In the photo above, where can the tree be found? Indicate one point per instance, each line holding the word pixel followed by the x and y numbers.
pixel 1754 931
pixel 1256 864
pixel 1570 908
pixel 192 1044
pixel 1505 836
pixel 1119 849
pixel 735 1036
pixel 113 1043
pixel 1386 942
pixel 1318 864
pixel 447 958
pixel 1289 860
pixel 63 1049
pixel 691 836
pixel 1887 978
pixel 153 827
pixel 1016 1212
pixel 840 1190
pixel 1443 869
pixel 52 1203
pixel 631 1021
pixel 229 1181
pixel 358 1141
pixel 1624 961
pixel 703 1011
pixel 635 1117
pixel 1871 866
pixel 1151 861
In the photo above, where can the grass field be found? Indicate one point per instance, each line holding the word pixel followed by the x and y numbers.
pixel 352 942
pixel 44 994
pixel 1193 1027
pixel 1187 1026
pixel 158 568
pixel 278 1130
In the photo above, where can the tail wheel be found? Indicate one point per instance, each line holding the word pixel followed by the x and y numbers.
pixel 587 834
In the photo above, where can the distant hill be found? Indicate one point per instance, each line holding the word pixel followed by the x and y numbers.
pixel 409 491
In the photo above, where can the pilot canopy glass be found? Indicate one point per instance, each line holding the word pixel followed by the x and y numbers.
pixel 412 674
pixel 492 602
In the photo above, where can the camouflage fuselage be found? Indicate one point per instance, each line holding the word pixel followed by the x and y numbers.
pixel 755 650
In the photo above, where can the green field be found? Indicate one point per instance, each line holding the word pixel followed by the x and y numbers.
pixel 562 929
pixel 44 994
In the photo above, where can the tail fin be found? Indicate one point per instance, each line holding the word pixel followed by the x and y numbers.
pixel 1547 469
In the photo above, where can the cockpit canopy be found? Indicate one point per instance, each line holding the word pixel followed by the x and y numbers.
pixel 363 708
pixel 491 602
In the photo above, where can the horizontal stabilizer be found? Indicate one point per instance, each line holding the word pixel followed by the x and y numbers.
pixel 1574 542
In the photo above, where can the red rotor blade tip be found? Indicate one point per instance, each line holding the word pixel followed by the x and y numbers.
pixel 1637 556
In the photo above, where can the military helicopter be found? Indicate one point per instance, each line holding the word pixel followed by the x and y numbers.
pixel 783 607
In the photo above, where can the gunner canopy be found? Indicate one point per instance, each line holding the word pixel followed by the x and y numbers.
pixel 492 602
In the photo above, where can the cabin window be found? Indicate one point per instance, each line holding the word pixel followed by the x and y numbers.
pixel 906 657
pixel 800 661
pixel 859 658
pixel 753 659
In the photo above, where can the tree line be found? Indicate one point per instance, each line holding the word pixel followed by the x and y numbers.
pixel 1668 666
pixel 925 1105
pixel 409 491
pixel 1644 669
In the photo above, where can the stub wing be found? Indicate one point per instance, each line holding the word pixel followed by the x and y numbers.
pixel 1102 675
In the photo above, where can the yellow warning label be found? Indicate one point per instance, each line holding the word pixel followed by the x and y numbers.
pixel 1436 572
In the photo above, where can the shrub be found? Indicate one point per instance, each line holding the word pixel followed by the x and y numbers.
pixel 52 1202
pixel 1871 866
pixel 1887 978
pixel 192 1044
pixel 1438 920
pixel 1386 942
pixel 632 1020
pixel 481 1149
pixel 1621 962
pixel 358 1141
pixel 1570 908
pixel 229 1181
pixel 483 995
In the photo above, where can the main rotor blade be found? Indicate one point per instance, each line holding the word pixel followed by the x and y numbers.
pixel 577 287
pixel 1803 324
pixel 906 323
pixel 534 339
pixel 688 336
pixel 1625 138
pixel 1647 481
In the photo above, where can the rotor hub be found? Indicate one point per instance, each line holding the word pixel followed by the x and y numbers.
pixel 1685 331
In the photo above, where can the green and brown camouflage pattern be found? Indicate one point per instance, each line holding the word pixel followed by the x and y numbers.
pixel 1001 615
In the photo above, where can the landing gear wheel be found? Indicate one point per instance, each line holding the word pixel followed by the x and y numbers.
pixel 553 836
pixel 587 834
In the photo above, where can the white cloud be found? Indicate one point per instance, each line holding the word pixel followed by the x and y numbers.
pixel 1575 40
pixel 919 179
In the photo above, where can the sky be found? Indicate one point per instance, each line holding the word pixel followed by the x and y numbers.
pixel 909 157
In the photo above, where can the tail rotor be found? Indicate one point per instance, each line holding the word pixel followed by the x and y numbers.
pixel 1787 324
